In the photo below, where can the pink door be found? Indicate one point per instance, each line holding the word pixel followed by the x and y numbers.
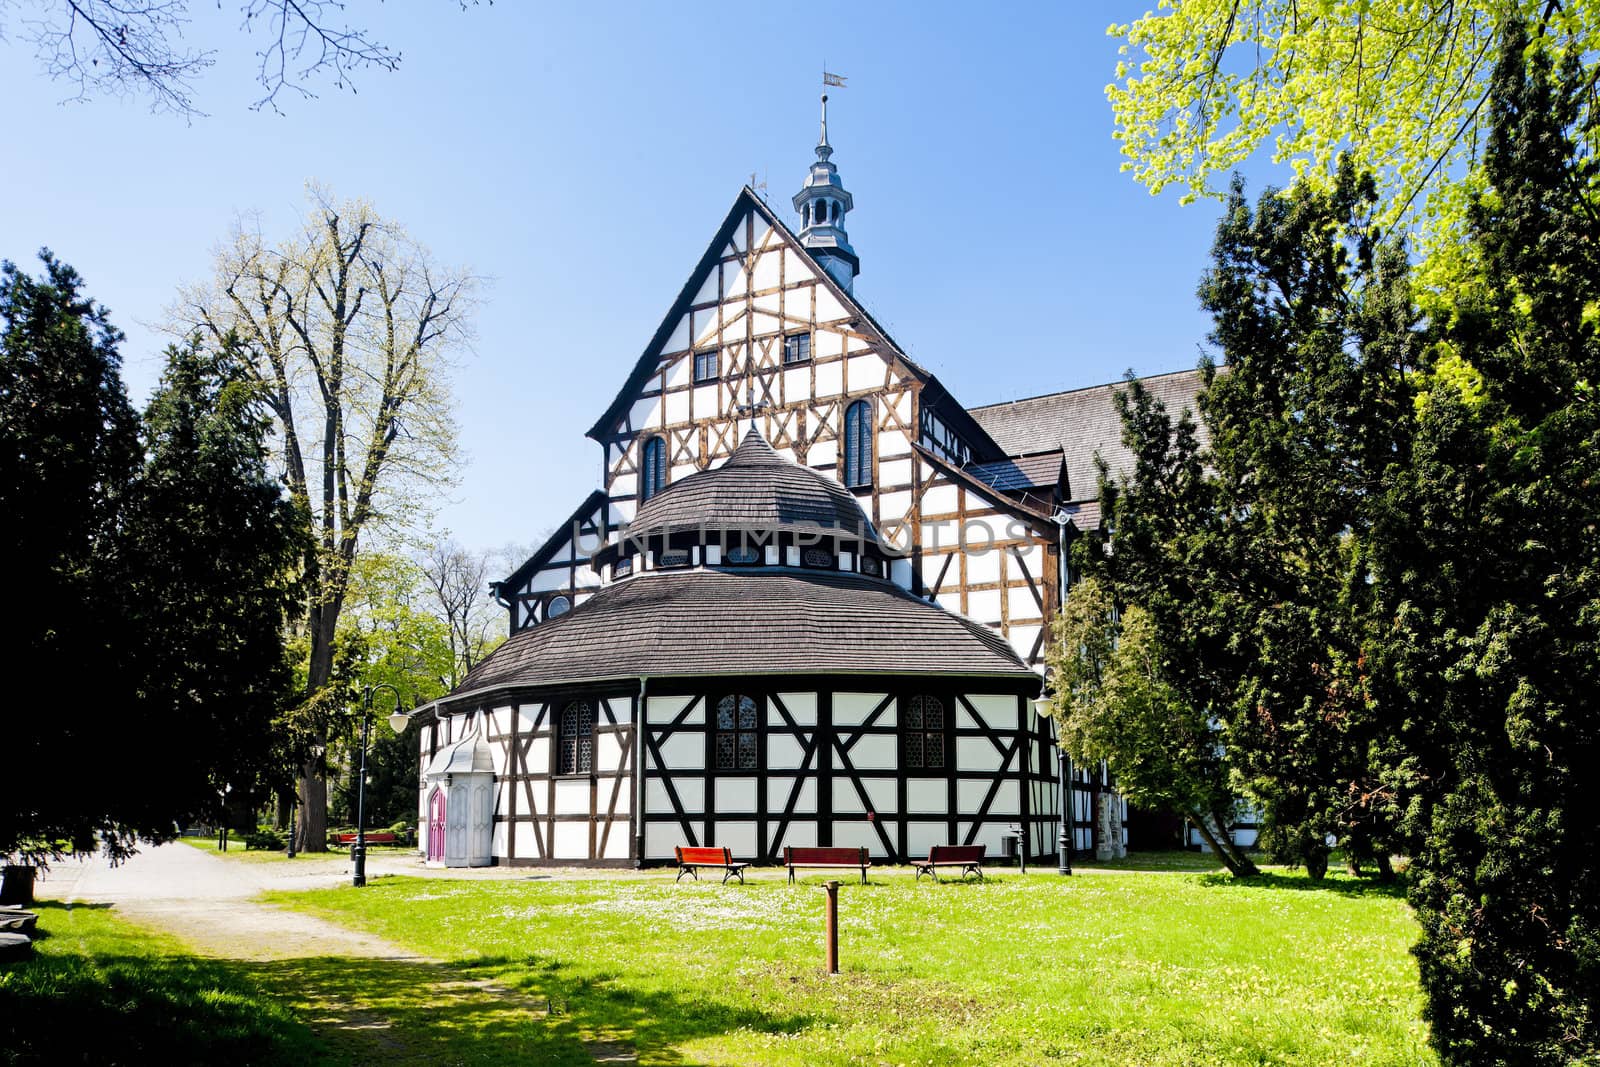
pixel 436 825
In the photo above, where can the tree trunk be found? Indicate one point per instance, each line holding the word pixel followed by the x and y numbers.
pixel 313 822
pixel 1316 860
pixel 1385 866
pixel 1239 865
pixel 313 788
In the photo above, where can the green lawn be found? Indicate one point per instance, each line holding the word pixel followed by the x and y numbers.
pixel 100 990
pixel 1104 968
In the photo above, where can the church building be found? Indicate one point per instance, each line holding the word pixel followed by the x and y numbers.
pixel 808 605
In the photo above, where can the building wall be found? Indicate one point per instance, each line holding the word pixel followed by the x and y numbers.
pixel 830 772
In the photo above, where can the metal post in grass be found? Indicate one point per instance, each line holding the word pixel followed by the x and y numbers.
pixel 361 780
pixel 830 926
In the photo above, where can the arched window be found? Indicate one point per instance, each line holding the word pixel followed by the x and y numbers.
pixel 653 469
pixel 738 726
pixel 805 215
pixel 559 606
pixel 575 739
pixel 823 204
pixel 858 444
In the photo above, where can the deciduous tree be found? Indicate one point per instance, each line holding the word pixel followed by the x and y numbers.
pixel 349 329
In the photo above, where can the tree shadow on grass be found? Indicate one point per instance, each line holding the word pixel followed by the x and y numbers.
pixel 1344 886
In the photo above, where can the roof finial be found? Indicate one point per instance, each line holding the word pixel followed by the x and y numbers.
pixel 824 149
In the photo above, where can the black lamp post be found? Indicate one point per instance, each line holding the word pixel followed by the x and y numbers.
pixel 1064 786
pixel 398 722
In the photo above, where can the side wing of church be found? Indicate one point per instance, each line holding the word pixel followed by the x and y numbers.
pixel 807 607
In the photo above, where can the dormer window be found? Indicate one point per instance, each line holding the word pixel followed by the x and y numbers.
pixel 705 365
pixel 797 348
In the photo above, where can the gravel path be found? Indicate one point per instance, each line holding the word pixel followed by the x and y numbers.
pixel 206 901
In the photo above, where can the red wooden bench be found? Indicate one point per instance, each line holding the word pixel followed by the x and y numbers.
pixel 826 858
pixel 968 857
pixel 374 837
pixel 691 859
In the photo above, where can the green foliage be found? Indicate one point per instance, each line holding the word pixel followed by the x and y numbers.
pixel 1402 88
pixel 1486 600
pixel 1111 693
pixel 152 578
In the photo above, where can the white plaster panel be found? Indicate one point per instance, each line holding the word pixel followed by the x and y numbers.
pixel 1000 712
pixel 846 801
pixel 895 472
pixel 502 719
pixel 572 797
pixel 497 845
pixel 660 838
pixel 976 754
pixel 767 302
pixel 983 561
pixel 877 752
pixel 890 442
pixel 893 506
pixel 621 709
pixel 797 270
pixel 766 273
pixel 664 709
pixel 572 841
pixel 608 753
pixel 711 289
pixel 796 384
pixel 762 324
pixel 539 755
pixel 704 330
pixel 784 751
pixel 798 834
pixel 970 794
pixel 527 715
pixel 616 847
pixel 678 340
pixel 738 836
pixel 735 795
pixel 830 379
pixel 624 795
pixel 682 752
pixel 927 796
pixel 680 369
pixel 921 836
pixel 734 279
pixel 940 499
pixel 824 454
pixel 705 401
pixel 624 485
pixel 691 794
pixel 1021 603
pixel 802 709
pixel 645 413
pixel 983 605
pixel 852 709
pixel 855 834
pixel 677 408
pixel 989 833
pixel 778 790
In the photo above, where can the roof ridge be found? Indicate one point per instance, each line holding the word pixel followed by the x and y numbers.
pixel 1085 389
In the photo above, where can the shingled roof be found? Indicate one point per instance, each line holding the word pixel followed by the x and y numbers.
pixel 755 489
pixel 1081 422
pixel 690 623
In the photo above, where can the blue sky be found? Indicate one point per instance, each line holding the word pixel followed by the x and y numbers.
pixel 582 157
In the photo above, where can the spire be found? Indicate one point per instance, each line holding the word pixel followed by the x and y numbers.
pixel 823 203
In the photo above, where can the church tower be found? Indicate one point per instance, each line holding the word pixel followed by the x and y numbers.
pixel 823 202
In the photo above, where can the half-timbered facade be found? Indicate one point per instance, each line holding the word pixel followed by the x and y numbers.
pixel 808 605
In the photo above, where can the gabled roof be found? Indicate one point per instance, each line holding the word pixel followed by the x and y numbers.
pixel 649 361
pixel 1082 422
pixel 1042 471
pixel 756 489
pixel 553 543
pixel 707 622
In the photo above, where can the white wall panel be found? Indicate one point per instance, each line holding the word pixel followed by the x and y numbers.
pixel 539 755
pixel 892 506
pixel 645 413
pixel 661 838
pixel 778 790
pixel 677 407
pixel 941 498
pixel 572 797
pixel 1022 605
pixel 983 560
pixel 851 709
pixel 1000 712
pixel 572 841
pixel 664 709
pixel 607 753
pixel 891 442
pixel 784 752
pixel 617 843
pixel 921 836
pixel 802 709
pixel 983 605
pixel 738 836
pixel 976 754
pixel 927 796
pixel 798 834
pixel 830 382
pixel 895 472
pixel 735 795
pixel 855 834
pixel 497 846
pixel 877 752
pixel 1006 805
pixel 681 752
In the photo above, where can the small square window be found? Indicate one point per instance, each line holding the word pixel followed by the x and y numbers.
pixel 797 348
pixel 705 366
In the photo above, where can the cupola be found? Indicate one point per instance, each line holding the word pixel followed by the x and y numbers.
pixel 823 203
